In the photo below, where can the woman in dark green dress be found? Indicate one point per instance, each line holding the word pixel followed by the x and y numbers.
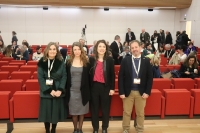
pixel 52 79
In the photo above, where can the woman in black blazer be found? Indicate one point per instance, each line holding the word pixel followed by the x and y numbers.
pixel 77 86
pixel 102 81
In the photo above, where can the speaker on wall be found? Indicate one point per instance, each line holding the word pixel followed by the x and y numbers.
pixel 150 10
pixel 106 9
pixel 45 8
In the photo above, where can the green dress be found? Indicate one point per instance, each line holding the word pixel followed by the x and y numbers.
pixel 52 109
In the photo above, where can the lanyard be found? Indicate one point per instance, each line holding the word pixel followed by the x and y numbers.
pixel 136 71
pixel 168 54
pixel 50 67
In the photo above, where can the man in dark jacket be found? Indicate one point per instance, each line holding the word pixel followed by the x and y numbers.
pixel 185 38
pixel 168 39
pixel 130 36
pixel 116 49
pixel 144 36
pixel 135 82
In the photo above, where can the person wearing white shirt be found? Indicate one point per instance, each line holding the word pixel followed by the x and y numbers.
pixel 38 54
pixel 91 48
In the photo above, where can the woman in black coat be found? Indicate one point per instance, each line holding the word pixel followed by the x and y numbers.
pixel 102 81
pixel 77 85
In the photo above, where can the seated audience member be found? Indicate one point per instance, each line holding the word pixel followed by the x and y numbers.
pixel 2 47
pixel 160 51
pixel 22 52
pixel 8 51
pixel 168 51
pixel 189 69
pixel 190 48
pixel 30 51
pixel 91 48
pixel 147 50
pixel 142 46
pixel 126 52
pixel 125 44
pixel 155 63
pixel 15 49
pixel 38 54
pixel 194 53
pixel 179 56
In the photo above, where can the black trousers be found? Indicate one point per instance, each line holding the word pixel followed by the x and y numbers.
pixel 100 96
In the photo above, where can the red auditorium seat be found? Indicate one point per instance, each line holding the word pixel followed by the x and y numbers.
pixel 7 59
pixel 4 75
pixel 32 62
pixel 162 83
pixel 186 83
pixel 163 61
pixel 178 102
pixel 32 85
pixel 4 63
pixel 196 95
pixel 117 67
pixel 11 85
pixel 31 68
pixel 9 68
pixel 164 69
pixel 116 106
pixel 4 102
pixel 197 83
pixel 24 75
pixel 24 104
pixel 155 104
pixel 63 46
pixel 17 61
pixel 35 76
pixel 16 64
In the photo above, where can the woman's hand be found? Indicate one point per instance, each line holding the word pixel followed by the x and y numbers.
pixel 52 93
pixel 58 93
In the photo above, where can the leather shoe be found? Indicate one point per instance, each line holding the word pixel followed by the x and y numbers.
pixel 95 131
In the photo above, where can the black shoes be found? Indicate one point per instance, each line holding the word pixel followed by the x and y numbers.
pixel 95 131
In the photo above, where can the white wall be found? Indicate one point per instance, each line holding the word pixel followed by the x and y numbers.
pixel 193 15
pixel 38 26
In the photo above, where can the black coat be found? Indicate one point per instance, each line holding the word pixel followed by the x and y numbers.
pixel 108 70
pixel 185 39
pixel 85 87
pixel 14 38
pixel 168 39
pixel 125 78
pixel 115 52
pixel 146 37
pixel 192 75
pixel 132 37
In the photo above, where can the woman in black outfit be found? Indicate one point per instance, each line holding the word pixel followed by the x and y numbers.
pixel 102 81
pixel 189 69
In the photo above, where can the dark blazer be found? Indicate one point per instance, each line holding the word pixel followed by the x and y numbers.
pixel 185 39
pixel 146 37
pixel 192 75
pixel 14 38
pixel 108 70
pixel 168 39
pixel 125 78
pixel 85 88
pixel 132 37
pixel 14 50
pixel 115 51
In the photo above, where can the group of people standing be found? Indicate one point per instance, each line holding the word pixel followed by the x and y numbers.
pixel 85 82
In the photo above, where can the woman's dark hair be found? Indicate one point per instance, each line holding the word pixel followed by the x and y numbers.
pixel 190 43
pixel 2 44
pixel 125 43
pixel 186 63
pixel 161 51
pixel 147 44
pixel 96 55
pixel 178 33
pixel 14 33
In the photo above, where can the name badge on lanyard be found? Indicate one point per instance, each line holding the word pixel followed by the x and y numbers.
pixel 136 80
pixel 49 81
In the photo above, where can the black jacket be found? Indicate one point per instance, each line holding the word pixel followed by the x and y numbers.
pixel 146 37
pixel 132 37
pixel 168 39
pixel 115 51
pixel 125 79
pixel 185 39
pixel 108 71
pixel 85 88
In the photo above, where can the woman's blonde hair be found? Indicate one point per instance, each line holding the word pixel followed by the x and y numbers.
pixel 83 57
pixel 46 50
pixel 155 61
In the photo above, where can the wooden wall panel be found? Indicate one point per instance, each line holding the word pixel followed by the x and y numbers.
pixel 115 3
